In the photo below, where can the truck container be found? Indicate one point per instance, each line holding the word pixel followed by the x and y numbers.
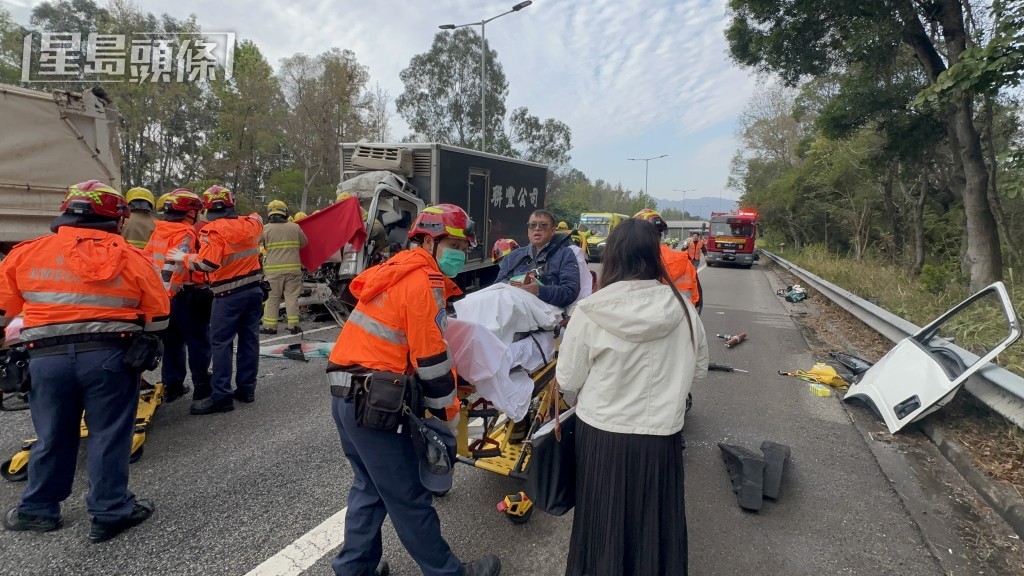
pixel 49 141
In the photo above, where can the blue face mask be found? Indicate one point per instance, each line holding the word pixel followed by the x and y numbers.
pixel 451 262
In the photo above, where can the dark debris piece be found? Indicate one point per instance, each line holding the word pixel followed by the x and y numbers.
pixel 746 472
pixel 775 456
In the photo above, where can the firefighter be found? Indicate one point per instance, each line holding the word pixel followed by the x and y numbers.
pixel 89 301
pixel 502 247
pixel 189 328
pixel 138 228
pixel 694 246
pixel 229 255
pixel 298 216
pixel 677 264
pixel 282 240
pixel 398 327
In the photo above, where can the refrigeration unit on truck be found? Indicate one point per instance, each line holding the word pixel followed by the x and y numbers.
pixel 48 141
pixel 731 238
pixel 393 182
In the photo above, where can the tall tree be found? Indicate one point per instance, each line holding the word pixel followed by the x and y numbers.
pixel 546 141
pixel 441 101
pixel 11 35
pixel 815 37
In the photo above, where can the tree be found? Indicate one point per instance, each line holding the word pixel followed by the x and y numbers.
pixel 672 214
pixel 815 37
pixel 327 96
pixel 441 100
pixel 547 142
pixel 10 48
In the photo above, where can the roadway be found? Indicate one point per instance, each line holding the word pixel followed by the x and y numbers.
pixel 263 485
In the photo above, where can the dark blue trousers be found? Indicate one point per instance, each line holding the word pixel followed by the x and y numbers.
pixel 387 483
pixel 62 386
pixel 237 314
pixel 189 328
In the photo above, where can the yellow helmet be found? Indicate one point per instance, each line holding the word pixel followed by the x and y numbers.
pixel 161 201
pixel 136 196
pixel 562 226
pixel 343 196
pixel 277 207
pixel 298 216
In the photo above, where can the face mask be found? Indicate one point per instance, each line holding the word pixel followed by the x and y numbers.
pixel 451 262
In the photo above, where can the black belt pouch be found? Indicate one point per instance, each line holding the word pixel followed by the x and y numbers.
pixel 379 401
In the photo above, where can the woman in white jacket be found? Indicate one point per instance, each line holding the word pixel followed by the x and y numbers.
pixel 631 352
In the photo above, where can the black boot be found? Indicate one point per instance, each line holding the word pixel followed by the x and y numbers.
pixel 103 531
pixel 211 406
pixel 488 565
pixel 18 522
pixel 174 391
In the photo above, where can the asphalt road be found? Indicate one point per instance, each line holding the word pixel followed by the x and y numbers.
pixel 233 490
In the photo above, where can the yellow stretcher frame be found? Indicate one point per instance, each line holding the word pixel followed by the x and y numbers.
pixel 494 452
pixel 151 396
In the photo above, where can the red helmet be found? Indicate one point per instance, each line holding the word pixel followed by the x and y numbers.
pixel 653 217
pixel 183 200
pixel 217 197
pixel 444 221
pixel 502 248
pixel 94 197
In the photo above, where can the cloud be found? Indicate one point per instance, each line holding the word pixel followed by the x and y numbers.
pixel 613 70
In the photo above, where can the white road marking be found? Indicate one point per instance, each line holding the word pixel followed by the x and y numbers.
pixel 297 557
pixel 287 336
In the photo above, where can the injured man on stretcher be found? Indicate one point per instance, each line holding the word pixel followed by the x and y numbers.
pixel 500 335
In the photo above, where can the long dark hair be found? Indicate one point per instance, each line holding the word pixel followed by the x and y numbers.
pixel 633 252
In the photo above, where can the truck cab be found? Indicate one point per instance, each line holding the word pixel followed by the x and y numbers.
pixel 600 225
pixel 731 238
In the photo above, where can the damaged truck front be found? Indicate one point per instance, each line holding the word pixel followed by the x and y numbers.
pixel 393 182
pixel 50 141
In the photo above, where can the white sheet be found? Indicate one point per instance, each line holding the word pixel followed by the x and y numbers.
pixel 505 310
pixel 485 361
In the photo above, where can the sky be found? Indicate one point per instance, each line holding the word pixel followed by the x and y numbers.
pixel 631 78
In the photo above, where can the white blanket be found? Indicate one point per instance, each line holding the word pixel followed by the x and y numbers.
pixel 485 361
pixel 505 310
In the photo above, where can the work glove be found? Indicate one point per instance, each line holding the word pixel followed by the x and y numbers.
pixel 176 255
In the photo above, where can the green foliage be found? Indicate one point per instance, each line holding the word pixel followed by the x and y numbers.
pixel 936 278
pixel 11 35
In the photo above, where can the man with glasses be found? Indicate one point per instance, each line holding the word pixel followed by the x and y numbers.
pixel 545 268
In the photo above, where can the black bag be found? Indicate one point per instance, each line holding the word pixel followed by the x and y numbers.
pixel 14 377
pixel 265 287
pixel 380 404
pixel 551 477
pixel 145 353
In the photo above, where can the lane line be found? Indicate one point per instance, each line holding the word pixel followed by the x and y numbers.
pixel 297 557
pixel 287 336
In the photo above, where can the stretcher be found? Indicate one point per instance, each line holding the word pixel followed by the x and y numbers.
pixel 503 447
pixel 150 397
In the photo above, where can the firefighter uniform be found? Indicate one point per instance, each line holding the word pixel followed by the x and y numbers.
pixel 189 327
pixel 682 274
pixel 229 255
pixel 397 326
pixel 282 241
pixel 84 294
pixel 694 249
pixel 138 228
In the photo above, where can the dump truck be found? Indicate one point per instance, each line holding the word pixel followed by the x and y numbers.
pixel 49 141
pixel 393 182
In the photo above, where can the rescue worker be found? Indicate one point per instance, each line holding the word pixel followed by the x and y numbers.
pixel 502 247
pixel 557 270
pixel 677 264
pixel 282 241
pixel 398 326
pixel 86 297
pixel 694 246
pixel 138 228
pixel 229 255
pixel 189 327
pixel 298 216
pixel 562 227
pixel 160 205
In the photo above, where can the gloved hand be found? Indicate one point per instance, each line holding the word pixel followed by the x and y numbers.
pixel 453 424
pixel 176 255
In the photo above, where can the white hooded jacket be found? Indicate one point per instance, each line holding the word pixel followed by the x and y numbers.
pixel 632 356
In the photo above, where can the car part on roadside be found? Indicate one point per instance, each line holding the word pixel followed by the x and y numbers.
pixel 754 476
pixel 854 364
pixel 924 371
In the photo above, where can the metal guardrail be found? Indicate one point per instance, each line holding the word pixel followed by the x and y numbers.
pixel 998 388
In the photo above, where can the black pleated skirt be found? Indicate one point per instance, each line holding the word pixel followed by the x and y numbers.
pixel 630 516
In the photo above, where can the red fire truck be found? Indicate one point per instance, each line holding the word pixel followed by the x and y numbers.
pixel 731 238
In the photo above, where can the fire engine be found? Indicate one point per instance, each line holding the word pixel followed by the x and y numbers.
pixel 731 238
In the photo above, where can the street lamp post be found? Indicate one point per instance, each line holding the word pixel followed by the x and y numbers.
pixel 483 65
pixel 647 162
pixel 684 196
